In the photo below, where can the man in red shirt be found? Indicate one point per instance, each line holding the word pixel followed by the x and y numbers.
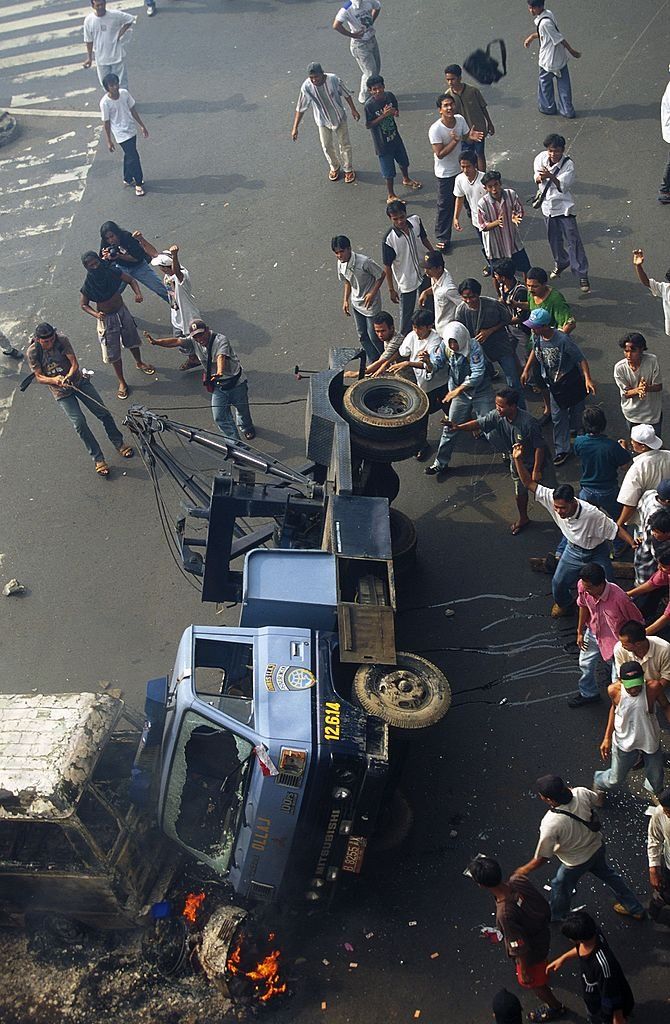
pixel 603 609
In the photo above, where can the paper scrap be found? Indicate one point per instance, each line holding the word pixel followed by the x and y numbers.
pixel 349 948
pixel 434 956
pixel 324 1005
pixel 412 924
pixel 353 966
pixel 417 1014
pixel 326 963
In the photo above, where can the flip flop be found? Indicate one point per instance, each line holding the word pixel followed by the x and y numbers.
pixel 147 368
pixel 546 1013
pixel 350 177
pixel 516 528
pixel 122 393
pixel 412 184
pixel 139 191
pixel 334 175
pixel 249 435
pixel 101 468
pixel 125 451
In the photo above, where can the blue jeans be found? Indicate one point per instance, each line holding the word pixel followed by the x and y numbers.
pixel 118 69
pixel 146 275
pixel 90 398
pixel 366 335
pixel 589 660
pixel 546 103
pixel 562 421
pixel 567 877
pixel 572 561
pixel 461 409
pixel 623 762
pixel 508 365
pixel 223 402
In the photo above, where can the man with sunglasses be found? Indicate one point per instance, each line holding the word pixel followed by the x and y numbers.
pixel 54 363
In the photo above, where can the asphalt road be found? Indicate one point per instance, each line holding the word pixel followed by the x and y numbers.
pixel 253 213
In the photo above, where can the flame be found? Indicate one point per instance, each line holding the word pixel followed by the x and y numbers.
pixel 192 905
pixel 265 975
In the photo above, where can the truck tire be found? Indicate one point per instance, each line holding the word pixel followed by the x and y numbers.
pixel 394 824
pixel 404 541
pixel 410 695
pixel 392 450
pixel 383 407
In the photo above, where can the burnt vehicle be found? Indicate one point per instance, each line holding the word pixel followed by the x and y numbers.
pixel 74 849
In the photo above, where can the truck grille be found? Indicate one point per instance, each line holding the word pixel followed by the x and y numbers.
pixel 288 779
pixel 261 891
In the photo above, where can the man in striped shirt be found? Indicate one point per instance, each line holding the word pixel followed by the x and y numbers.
pixel 499 214
pixel 326 95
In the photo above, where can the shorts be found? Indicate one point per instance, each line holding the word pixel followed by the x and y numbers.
pixel 119 329
pixel 396 155
pixel 519 488
pixel 537 974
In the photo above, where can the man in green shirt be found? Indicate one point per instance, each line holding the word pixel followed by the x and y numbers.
pixel 470 104
pixel 542 296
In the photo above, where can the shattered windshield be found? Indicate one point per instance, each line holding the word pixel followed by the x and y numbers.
pixel 204 795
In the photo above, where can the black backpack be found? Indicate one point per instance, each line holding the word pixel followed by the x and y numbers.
pixel 484 68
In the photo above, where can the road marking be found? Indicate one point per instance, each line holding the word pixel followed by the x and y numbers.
pixel 19 59
pixel 77 174
pixel 46 112
pixel 38 229
pixel 32 42
pixel 39 5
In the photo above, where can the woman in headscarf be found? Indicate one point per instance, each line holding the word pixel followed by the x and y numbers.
pixel 130 253
pixel 469 393
pixel 115 325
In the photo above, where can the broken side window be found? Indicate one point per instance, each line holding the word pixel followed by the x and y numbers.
pixel 224 676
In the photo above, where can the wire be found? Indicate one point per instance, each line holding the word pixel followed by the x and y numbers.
pixel 181 408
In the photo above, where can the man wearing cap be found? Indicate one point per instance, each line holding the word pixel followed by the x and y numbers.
pixel 326 95
pixel 51 358
pixel 224 378
pixel 570 830
pixel 603 609
pixel 651 464
pixel 566 372
pixel 183 308
pixel 658 849
pixel 633 729
pixel 588 532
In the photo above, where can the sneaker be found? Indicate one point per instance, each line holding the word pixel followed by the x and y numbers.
pixel 561 458
pixel 558 612
pixel 435 469
pixel 556 272
pixel 151 10
pixel 664 198
pixel 580 702
pixel 12 353
pixel 584 284
pixel 620 909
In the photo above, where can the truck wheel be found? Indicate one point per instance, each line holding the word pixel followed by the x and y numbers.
pixel 383 407
pixel 410 695
pixel 391 450
pixel 394 824
pixel 404 541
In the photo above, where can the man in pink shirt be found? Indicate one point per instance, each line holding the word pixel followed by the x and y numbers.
pixel 603 609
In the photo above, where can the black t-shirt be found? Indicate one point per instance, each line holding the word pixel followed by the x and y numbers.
pixel 604 983
pixel 385 135
pixel 129 245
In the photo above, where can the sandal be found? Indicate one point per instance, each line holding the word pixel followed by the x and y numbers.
pixel 412 184
pixel 139 191
pixel 334 175
pixel 249 435
pixel 101 467
pixel 190 363
pixel 349 177
pixel 126 451
pixel 392 199
pixel 146 368
pixel 545 1013
pixel 122 393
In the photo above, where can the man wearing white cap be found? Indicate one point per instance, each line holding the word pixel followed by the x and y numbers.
pixel 183 309
pixel 651 464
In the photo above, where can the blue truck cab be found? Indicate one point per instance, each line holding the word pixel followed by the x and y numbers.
pixel 268 773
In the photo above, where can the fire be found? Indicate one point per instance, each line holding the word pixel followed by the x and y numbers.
pixel 265 975
pixel 192 905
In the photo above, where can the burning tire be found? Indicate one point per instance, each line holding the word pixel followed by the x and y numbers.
pixel 394 825
pixel 410 695
pixel 381 408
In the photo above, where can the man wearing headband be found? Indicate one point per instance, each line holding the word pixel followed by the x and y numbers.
pixel 633 728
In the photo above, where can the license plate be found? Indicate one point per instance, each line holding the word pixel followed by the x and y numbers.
pixel 355 853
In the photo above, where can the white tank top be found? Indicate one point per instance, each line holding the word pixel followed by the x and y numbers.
pixel 635 727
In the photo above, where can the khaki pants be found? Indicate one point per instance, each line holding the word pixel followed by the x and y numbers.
pixel 336 145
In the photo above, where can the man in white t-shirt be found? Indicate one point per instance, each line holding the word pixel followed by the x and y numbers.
pixel 554 174
pixel 446 135
pixel 659 289
pixel 183 308
pixel 120 119
pixel 356 20
pixel 468 190
pixel 423 338
pixel 442 291
pixel 553 61
pixel 103 32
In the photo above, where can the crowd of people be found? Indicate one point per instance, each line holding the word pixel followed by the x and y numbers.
pixel 453 340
